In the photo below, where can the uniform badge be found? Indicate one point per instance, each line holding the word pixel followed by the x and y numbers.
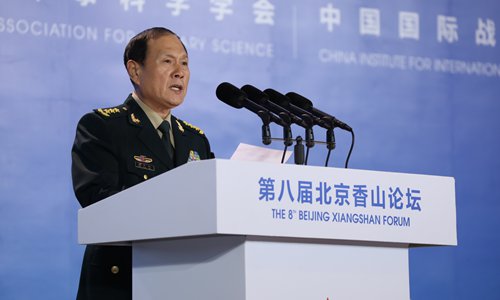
pixel 108 111
pixel 142 158
pixel 135 120
pixel 180 126
pixel 144 162
pixel 193 156
pixel 197 129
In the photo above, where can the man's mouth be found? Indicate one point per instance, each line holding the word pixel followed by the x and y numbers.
pixel 176 87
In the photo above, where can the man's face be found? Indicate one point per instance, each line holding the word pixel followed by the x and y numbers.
pixel 163 79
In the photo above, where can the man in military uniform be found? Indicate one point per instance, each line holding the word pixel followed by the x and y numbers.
pixel 116 148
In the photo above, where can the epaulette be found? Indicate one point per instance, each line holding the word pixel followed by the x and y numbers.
pixel 112 111
pixel 197 129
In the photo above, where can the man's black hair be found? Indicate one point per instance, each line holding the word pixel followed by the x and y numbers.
pixel 137 47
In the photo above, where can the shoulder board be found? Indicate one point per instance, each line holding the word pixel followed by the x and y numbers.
pixel 197 129
pixel 112 111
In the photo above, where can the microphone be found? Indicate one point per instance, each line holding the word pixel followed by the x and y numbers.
pixel 307 105
pixel 257 96
pixel 308 119
pixel 285 102
pixel 262 98
pixel 236 98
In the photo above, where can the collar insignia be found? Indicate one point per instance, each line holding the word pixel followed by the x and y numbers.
pixel 134 119
pixel 180 126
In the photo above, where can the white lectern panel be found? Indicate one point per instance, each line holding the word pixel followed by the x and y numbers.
pixel 247 198
pixel 238 268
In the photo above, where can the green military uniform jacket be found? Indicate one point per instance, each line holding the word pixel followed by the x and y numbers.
pixel 114 149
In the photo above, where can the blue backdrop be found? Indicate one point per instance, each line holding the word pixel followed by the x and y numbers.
pixel 418 82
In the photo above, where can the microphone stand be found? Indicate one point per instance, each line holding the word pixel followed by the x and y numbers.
pixel 287 130
pixel 298 151
pixel 299 148
pixel 309 135
pixel 330 138
pixel 266 131
pixel 287 140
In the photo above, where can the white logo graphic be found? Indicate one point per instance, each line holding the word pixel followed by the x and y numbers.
pixel 369 21
pixel 447 29
pixel 485 33
pixel 409 25
pixel 221 8
pixel 86 2
pixel 176 6
pixel 330 16
pixel 129 3
pixel 264 12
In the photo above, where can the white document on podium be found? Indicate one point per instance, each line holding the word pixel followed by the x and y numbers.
pixel 255 153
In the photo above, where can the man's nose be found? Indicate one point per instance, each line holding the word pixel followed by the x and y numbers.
pixel 179 72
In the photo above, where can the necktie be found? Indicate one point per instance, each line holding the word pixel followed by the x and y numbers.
pixel 165 130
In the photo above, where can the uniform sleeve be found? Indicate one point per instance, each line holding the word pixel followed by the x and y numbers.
pixel 94 169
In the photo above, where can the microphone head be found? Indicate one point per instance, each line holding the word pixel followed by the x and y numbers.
pixel 255 94
pixel 278 98
pixel 300 101
pixel 230 95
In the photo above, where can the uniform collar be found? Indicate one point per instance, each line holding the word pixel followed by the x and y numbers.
pixel 147 134
pixel 153 116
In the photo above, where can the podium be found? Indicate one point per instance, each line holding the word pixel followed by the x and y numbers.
pixel 220 229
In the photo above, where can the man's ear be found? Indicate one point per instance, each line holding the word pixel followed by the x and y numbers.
pixel 134 71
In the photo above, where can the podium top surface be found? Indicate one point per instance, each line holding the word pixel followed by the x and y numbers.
pixel 260 199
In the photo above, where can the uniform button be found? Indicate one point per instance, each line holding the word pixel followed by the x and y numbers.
pixel 115 269
pixel 145 177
